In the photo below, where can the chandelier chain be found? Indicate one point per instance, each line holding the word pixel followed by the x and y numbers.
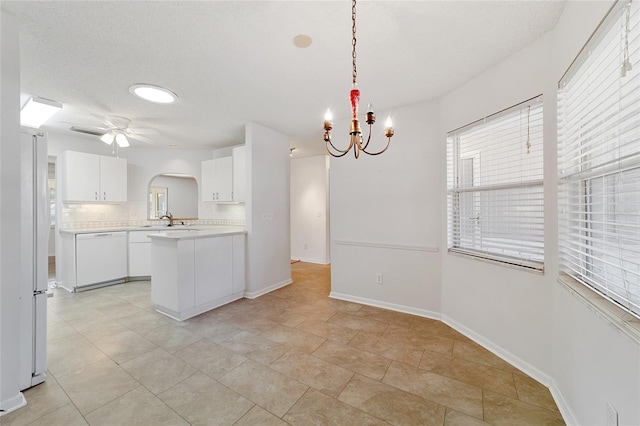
pixel 353 40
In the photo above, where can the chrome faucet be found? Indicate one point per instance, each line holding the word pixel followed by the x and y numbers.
pixel 168 216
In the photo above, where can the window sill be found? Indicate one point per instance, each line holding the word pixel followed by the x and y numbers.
pixel 495 261
pixel 603 307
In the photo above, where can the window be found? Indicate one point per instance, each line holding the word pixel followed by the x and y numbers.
pixel 494 182
pixel 599 160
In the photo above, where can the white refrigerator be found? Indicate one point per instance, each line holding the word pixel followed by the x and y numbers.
pixel 34 230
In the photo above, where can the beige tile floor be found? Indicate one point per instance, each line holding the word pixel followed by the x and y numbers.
pixel 293 356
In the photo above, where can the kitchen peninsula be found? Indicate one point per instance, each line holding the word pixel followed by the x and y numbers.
pixel 193 271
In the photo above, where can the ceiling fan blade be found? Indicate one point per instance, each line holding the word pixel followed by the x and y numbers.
pixel 114 121
pixel 93 131
pixel 142 131
pixel 71 123
pixel 140 138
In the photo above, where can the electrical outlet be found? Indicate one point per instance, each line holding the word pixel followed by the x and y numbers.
pixel 612 415
pixel 378 278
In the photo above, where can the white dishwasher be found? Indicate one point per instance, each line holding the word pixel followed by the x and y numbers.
pixel 100 258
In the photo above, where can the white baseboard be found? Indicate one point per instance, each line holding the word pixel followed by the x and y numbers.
pixel 499 351
pixel 12 404
pixel 385 305
pixel 307 260
pixel 254 294
pixel 565 409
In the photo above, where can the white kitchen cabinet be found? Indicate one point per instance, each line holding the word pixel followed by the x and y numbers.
pixel 113 179
pixel 92 178
pixel 140 253
pixel 239 174
pixel 213 268
pixel 79 178
pixel 217 179
pixel 193 273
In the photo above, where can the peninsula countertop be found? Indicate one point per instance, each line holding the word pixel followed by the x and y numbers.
pixel 195 233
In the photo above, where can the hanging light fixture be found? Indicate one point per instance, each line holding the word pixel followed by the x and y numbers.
pixel 355 132
pixel 120 139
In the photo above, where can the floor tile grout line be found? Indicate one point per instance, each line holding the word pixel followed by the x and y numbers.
pixel 288 306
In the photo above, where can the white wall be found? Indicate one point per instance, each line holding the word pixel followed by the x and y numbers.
pixel 593 362
pixel 310 209
pixel 268 248
pixel 10 396
pixel 498 306
pixel 385 215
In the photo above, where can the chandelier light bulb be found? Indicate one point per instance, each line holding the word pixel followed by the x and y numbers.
pixel 369 107
pixel 328 120
pixel 388 131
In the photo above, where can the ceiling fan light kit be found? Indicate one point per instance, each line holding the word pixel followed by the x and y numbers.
pixel 37 111
pixel 355 140
pixel 153 93
pixel 116 129
pixel 107 138
pixel 122 140
pixel 118 137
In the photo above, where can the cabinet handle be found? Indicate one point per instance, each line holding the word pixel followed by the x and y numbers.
pixel 105 196
pixel 96 195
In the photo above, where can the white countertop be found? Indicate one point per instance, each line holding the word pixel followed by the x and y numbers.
pixel 182 229
pixel 191 234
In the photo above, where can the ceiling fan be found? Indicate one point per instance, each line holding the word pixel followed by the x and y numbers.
pixel 116 129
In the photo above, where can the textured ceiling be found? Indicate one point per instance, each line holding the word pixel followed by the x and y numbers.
pixel 231 62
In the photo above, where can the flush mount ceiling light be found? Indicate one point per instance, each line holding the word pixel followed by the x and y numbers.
pixel 152 93
pixel 37 111
pixel 355 132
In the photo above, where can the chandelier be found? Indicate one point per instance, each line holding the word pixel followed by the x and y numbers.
pixel 355 140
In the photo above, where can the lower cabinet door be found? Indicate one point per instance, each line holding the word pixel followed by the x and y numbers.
pixel 213 269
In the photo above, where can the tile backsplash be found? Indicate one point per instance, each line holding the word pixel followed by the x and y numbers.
pixel 129 214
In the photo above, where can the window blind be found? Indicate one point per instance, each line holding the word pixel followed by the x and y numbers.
pixel 495 191
pixel 599 160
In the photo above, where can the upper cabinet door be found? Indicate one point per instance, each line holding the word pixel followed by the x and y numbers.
pixel 113 179
pixel 217 179
pixel 207 184
pixel 224 179
pixel 80 176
